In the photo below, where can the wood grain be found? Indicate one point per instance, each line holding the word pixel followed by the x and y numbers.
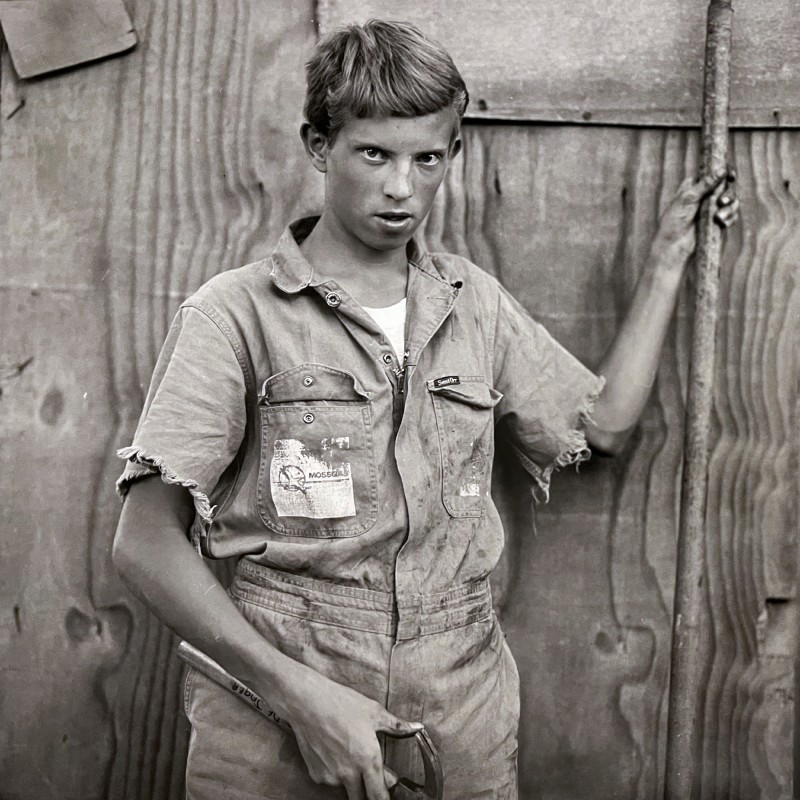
pixel 202 176
pixel 563 216
pixel 61 647
pixel 603 62
pixel 137 179
pixel 177 169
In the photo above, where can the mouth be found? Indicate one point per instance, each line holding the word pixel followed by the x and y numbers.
pixel 395 219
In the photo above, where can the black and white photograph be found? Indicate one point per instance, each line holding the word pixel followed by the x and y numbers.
pixel 399 401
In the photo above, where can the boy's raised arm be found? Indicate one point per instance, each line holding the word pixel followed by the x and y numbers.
pixel 334 725
pixel 631 363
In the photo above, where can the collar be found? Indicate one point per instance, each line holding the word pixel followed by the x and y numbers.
pixel 291 273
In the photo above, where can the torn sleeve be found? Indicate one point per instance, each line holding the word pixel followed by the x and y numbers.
pixel 194 416
pixel 548 395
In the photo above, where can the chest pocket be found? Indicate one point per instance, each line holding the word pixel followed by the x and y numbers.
pixel 316 475
pixel 465 421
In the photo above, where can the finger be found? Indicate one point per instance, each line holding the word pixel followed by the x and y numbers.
pixel 731 174
pixel 377 783
pixel 702 187
pixel 725 218
pixel 314 764
pixel 355 788
pixel 725 199
pixel 724 222
pixel 390 778
pixel 731 210
pixel 389 723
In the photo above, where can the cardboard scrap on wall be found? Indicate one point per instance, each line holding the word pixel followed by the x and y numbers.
pixel 47 35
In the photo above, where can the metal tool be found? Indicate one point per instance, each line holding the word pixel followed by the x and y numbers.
pixel 431 789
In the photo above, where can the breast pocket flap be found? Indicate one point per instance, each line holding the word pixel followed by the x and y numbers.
pixel 473 392
pixel 312 382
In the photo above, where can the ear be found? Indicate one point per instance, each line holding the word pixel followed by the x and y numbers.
pixel 455 147
pixel 317 146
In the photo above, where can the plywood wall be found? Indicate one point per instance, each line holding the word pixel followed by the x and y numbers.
pixel 608 61
pixel 563 216
pixel 125 185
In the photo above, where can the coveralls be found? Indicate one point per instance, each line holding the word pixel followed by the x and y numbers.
pixel 355 491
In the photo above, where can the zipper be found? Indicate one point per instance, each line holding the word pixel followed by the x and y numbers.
pixel 400 374
pixel 398 391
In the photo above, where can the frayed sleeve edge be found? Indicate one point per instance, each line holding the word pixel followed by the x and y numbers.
pixel 576 451
pixel 145 464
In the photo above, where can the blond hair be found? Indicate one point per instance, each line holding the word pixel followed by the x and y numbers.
pixel 380 69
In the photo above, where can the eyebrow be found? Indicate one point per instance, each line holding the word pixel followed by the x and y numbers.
pixel 438 151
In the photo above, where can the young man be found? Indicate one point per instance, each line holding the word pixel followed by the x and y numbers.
pixel 327 416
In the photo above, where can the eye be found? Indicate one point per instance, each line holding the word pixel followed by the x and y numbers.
pixel 372 153
pixel 429 159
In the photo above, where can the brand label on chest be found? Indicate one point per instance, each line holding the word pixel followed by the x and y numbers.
pixel 448 380
pixel 305 483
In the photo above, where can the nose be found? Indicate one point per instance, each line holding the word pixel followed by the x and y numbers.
pixel 398 183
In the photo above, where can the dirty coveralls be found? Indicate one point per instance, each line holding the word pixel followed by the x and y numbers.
pixel 355 491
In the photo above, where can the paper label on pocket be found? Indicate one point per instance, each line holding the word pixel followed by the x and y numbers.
pixel 304 484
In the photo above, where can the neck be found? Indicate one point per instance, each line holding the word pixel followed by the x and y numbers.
pixel 335 253
pixel 375 278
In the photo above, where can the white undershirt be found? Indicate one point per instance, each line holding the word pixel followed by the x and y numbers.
pixel 392 321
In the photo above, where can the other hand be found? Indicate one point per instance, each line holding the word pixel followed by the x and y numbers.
pixel 675 237
pixel 337 734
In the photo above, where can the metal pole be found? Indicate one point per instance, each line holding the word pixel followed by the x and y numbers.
pixel 687 668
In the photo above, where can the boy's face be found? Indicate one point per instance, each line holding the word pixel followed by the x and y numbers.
pixel 382 174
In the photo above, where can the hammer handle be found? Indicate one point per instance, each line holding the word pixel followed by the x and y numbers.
pixel 202 663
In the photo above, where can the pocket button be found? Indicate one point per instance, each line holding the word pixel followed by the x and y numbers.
pixel 308 381
pixel 308 418
pixel 333 299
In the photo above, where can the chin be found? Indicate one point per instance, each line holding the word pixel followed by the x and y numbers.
pixel 384 242
pixel 387 243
